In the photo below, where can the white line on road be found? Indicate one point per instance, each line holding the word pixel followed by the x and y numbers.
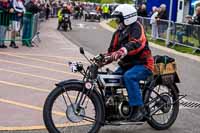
pixel 39 67
pixel 29 74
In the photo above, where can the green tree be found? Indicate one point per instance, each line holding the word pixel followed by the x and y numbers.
pixel 107 1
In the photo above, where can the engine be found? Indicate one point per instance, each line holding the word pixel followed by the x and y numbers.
pixel 117 106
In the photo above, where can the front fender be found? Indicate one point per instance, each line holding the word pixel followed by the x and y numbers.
pixel 65 82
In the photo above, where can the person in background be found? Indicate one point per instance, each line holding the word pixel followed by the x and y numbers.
pixel 98 9
pixel 196 18
pixel 162 20
pixel 47 11
pixel 62 11
pixel 54 6
pixel 105 10
pixel 17 15
pixel 5 9
pixel 153 22
pixel 69 7
pixel 162 13
pixel 196 21
pixel 31 9
pixel 142 11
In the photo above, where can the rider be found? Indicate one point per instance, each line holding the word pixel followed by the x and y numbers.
pixel 64 10
pixel 129 44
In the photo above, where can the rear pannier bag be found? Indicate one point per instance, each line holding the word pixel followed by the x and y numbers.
pixel 165 67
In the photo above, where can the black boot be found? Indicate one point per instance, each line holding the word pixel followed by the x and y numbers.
pixel 139 113
pixel 13 45
pixel 3 46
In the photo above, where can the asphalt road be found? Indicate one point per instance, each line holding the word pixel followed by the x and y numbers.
pixel 96 39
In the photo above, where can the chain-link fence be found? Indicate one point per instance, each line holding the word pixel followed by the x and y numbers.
pixel 19 28
pixel 180 33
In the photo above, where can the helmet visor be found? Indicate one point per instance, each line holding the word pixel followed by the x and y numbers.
pixel 117 20
pixel 118 17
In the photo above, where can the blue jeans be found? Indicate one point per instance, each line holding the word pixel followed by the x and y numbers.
pixel 180 35
pixel 2 34
pixel 131 79
pixel 26 36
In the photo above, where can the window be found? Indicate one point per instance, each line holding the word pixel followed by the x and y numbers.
pixel 181 5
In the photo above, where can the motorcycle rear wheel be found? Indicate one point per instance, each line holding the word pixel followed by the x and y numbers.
pixel 172 97
pixel 78 123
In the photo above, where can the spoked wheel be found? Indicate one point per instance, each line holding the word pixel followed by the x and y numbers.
pixel 163 107
pixel 70 110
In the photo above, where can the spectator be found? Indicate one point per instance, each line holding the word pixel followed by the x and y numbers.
pixel 55 9
pixel 5 9
pixel 162 16
pixel 185 31
pixel 17 16
pixel 31 9
pixel 162 13
pixel 47 11
pixel 153 22
pixel 196 19
pixel 142 11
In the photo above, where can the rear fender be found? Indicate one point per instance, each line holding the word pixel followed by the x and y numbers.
pixel 171 82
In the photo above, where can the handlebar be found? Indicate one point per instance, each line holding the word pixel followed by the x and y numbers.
pixel 102 59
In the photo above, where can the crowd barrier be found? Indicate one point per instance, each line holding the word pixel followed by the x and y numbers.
pixel 181 34
pixel 24 29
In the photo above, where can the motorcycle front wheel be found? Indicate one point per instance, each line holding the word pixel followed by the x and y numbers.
pixel 163 107
pixel 69 109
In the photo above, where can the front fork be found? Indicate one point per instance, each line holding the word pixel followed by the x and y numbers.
pixel 81 98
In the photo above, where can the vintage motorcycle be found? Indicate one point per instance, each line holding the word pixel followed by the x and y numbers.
pixel 100 99
pixel 65 21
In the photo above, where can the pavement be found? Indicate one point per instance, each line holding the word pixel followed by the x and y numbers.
pixel 29 74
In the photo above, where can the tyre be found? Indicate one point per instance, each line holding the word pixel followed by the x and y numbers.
pixel 69 121
pixel 65 28
pixel 99 20
pixel 167 114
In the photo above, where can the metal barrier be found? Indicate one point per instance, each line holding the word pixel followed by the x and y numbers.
pixel 161 28
pixel 37 19
pixel 180 33
pixel 13 28
pixel 187 35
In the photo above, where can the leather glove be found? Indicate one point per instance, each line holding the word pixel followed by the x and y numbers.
pixel 119 54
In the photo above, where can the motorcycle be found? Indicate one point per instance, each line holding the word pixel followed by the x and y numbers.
pixel 65 21
pixel 101 99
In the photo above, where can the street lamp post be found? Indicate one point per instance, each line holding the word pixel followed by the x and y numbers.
pixel 169 23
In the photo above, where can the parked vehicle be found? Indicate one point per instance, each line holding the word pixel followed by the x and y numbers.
pixel 92 15
pixel 100 99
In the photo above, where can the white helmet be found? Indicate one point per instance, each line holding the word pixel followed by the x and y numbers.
pixel 126 13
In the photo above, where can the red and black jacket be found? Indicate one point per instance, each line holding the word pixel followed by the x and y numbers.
pixel 134 40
